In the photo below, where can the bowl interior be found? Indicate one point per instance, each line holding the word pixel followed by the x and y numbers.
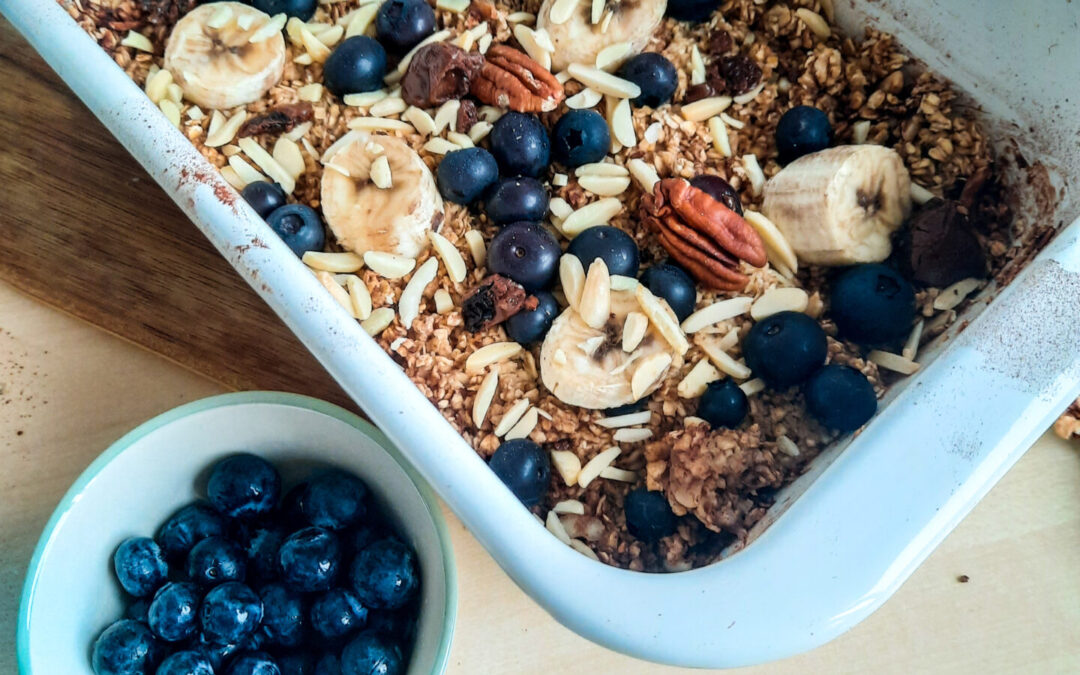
pixel 71 593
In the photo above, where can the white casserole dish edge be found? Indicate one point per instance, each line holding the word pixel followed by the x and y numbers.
pixel 846 535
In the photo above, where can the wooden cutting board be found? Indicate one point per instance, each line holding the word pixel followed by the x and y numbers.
pixel 84 228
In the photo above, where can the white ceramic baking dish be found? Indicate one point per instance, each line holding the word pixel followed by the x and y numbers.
pixel 843 537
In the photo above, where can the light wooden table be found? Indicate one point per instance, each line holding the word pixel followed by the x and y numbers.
pixel 69 390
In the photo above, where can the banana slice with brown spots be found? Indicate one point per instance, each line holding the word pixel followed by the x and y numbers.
pixel 578 38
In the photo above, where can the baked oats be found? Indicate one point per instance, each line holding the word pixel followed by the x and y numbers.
pixel 723 228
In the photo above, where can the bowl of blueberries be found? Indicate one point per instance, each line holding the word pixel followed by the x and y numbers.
pixel 245 534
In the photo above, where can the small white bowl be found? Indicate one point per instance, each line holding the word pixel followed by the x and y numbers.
pixel 71 595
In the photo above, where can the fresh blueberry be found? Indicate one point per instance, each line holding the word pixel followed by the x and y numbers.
pixel 125 648
pixel 580 137
pixel 138 610
pixel 334 499
pixel 261 549
pixel 299 226
pixel 520 144
pixel 800 131
pixel 872 305
pixel 723 404
pixel 296 663
pixel 301 9
pixel 214 560
pixel 401 24
pixel 654 75
pixel 719 189
pixel 337 613
pixel 230 613
pixel 356 65
pixel 516 199
pixel 283 619
pixel 524 467
pixel 648 514
pixel 384 575
pixel 140 566
pixel 186 662
pixel 329 664
pixel 357 538
pixel 309 559
pixel 396 625
pixel 371 654
pixel 529 326
pixel 674 285
pixel 244 486
pixel 691 10
pixel 187 527
pixel 174 612
pixel 615 247
pixel 217 654
pixel 526 253
pixel 252 663
pixel 263 197
pixel 291 514
pixel 785 348
pixel 840 398
pixel 464 175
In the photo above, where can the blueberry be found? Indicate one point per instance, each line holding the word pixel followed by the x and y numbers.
pixel 673 285
pixel 334 499
pixel 524 467
pixel 214 560
pixel 290 514
pixel 125 648
pixel 785 349
pixel 464 175
pixel 283 619
pixel 719 189
pixel 217 654
pixel 186 662
pixel 529 326
pixel 309 559
pixel 872 305
pixel 357 538
pixel 615 247
pixel 337 613
pixel 138 610
pixel 384 575
pixel 301 9
pixel 371 654
pixel 723 404
pixel 654 75
pixel 244 486
pixel 329 664
pixel 299 226
pixel 520 144
pixel 252 663
pixel 296 663
pixel 516 199
pixel 397 625
pixel 691 10
pixel 580 137
pixel 648 514
pixel 401 24
pixel 174 612
pixel 263 197
pixel 230 613
pixel 840 397
pixel 526 253
pixel 802 130
pixel 356 65
pixel 261 550
pixel 140 566
pixel 187 527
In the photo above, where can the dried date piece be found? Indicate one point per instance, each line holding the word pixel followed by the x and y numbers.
pixel 720 43
pixel 279 120
pixel 495 300
pixel 734 75
pixel 466 116
pixel 439 72
pixel 510 79
pixel 698 92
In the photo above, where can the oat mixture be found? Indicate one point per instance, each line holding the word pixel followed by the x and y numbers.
pixel 432 302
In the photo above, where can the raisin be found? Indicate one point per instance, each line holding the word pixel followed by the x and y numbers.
pixel 740 73
pixel 720 42
pixel 495 300
pixel 466 116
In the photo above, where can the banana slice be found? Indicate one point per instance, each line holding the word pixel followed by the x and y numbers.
pixel 364 217
pixel 840 206
pixel 579 39
pixel 588 368
pixel 215 62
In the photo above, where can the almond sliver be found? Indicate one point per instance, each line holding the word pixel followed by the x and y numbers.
pixel 661 316
pixel 777 300
pixel 489 354
pixel 634 329
pixel 379 320
pixel 485 393
pixel 627 420
pixel 703 109
pixel 595 304
pixel 648 373
pixel 388 265
pixel 333 262
pixel 567 465
pixel 723 360
pixel 594 466
pixel 572 278
pixel 605 83
pixel 596 213
pixel 605 186
pixel 511 417
pixel 631 436
pixel 451 257
pixel 359 296
pixel 477 247
pixel 413 293
pixel 524 427
pixel 697 380
pixel 645 174
pixel 715 313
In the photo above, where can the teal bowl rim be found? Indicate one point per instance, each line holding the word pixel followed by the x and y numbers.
pixel 442 657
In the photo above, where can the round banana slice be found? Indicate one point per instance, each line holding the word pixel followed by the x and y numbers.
pixel 365 217
pixel 578 39
pixel 211 55
pixel 588 368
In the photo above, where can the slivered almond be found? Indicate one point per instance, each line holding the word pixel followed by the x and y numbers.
pixel 605 22
pixel 460 139
pixel 697 66
pixel 511 417
pixel 420 120
pixel 860 131
pixel 601 169
pixel 911 347
pixel 171 111
pixel 310 92
pixel 563 76
pixel 719 134
pixel 245 21
pixel 138 41
pixel 611 57
pixel 742 99
pixel 157 87
pixel 572 278
pixel 333 262
pixel 220 18
pixel 359 296
pixel 195 113
pixel 561 10
pixel 777 248
pixel 388 265
pixel 489 354
pixel 652 132
pixel 451 257
pixel 731 121
pixel 465 41
pixel 560 180
pixel 560 208
pixel 569 506
pixel 340 143
pixel 413 294
pixel 596 213
pixel 919 194
pixel 456 6
pixel 621 283
pixel 267 163
pixel 526 37
pixel 332 35
pixel 481 29
pixel 380 173
pixel 691 420
pixel 631 435
pixel 729 340
pixel 365 99
pixel 524 427
pixel 777 300
pixel 605 83
pixel 485 393
pixel 378 321
pixel 245 171
pixel 590 345
pixel 175 93
pixel 446 115
pixel 594 466
pixel 231 177
pixel 627 420
pixel 634 330
pixel 615 473
pixel 644 173
pixel 391 105
pixel 479 131
pixel 955 294
pixel 754 173
pixel 621 121
pixel 703 109
pixel 443 302
pixel 715 313
pixel 319 52
pixel 567 465
pixel 754 386
pixel 787 446
pixel 893 362
pixel 697 380
pixel 226 132
pixel 648 372
pixel 595 304
pixel 661 316
pixel 722 359
pixel 559 357
pixel 336 291
pixel 521 17
pixel 378 124
pixel 477 247
pixel 596 13
pixel 398 341
pixel 555 527
pixel 483 43
pixel 586 98
pixel 440 146
pixel 815 22
pixel 605 186
pixel 287 154
pixel 269 29
pixel 576 544
pixel 303 59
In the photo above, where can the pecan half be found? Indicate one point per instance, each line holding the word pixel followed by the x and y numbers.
pixel 437 73
pixel 510 79
pixel 702 234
